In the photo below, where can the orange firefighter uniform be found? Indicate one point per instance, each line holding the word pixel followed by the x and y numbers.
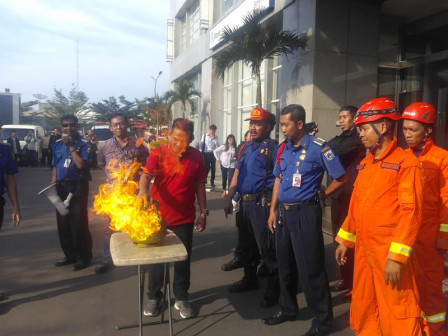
pixel 383 221
pixel 433 235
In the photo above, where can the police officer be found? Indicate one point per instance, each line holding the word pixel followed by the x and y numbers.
pixel 253 179
pixel 8 169
pixel 350 150
pixel 236 261
pixel 71 173
pixel 296 218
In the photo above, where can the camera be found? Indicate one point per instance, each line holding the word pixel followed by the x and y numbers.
pixel 310 127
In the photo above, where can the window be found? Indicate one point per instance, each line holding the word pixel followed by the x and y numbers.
pixel 227 100
pixel 196 108
pixel 247 86
pixel 227 4
pixel 194 18
pixel 190 24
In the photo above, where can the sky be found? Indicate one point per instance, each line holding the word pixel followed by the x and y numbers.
pixel 106 47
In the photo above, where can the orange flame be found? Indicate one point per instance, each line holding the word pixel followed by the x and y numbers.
pixel 119 201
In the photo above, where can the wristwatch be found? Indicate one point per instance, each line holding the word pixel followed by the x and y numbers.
pixel 205 212
pixel 72 149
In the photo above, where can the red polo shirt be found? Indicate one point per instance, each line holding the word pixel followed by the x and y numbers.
pixel 175 182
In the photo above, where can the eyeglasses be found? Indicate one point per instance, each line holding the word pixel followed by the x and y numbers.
pixel 69 125
pixel 118 124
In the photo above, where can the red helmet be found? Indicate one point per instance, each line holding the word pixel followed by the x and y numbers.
pixel 376 109
pixel 422 112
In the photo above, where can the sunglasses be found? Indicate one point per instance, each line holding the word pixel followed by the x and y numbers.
pixel 69 125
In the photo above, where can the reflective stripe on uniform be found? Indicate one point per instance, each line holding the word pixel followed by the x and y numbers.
pixel 400 249
pixel 436 318
pixel 347 236
pixel 443 228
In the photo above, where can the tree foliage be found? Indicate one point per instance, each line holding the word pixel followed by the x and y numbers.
pixel 155 112
pixel 27 106
pixel 108 107
pixel 183 92
pixel 61 105
pixel 252 43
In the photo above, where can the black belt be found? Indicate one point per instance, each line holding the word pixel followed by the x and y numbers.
pixel 253 197
pixel 71 183
pixel 295 206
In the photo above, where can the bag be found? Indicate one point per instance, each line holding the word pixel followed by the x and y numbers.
pixel 203 144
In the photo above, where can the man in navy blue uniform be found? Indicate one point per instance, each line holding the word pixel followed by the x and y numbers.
pixel 296 218
pixel 8 168
pixel 254 180
pixel 71 173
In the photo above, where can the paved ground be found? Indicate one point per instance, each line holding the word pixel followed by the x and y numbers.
pixel 46 300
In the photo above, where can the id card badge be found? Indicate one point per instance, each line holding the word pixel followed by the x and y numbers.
pixel 296 180
pixel 67 162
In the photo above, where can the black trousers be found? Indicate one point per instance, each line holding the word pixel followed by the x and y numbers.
pixel 210 165
pixel 339 210
pixel 32 157
pixel 253 239
pixel 46 157
pixel 73 229
pixel 181 281
pixel 300 253
pixel 227 175
pixel 2 210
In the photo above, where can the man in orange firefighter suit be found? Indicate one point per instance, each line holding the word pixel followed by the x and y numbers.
pixel 432 241
pixel 383 220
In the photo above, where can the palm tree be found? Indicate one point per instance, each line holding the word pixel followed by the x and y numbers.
pixel 252 43
pixel 184 92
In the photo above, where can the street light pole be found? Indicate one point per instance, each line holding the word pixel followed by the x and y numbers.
pixel 155 95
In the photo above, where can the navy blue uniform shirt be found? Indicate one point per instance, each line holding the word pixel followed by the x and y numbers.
pixel 7 165
pixel 252 167
pixel 60 155
pixel 310 159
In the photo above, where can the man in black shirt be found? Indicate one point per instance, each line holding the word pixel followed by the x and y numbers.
pixel 350 150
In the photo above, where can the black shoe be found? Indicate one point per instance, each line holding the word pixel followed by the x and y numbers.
pixel 79 265
pixel 64 261
pixel 243 285
pixel 314 331
pixel 2 297
pixel 232 264
pixel 212 185
pixel 339 286
pixel 278 318
pixel 103 268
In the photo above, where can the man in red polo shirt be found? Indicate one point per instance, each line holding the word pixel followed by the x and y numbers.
pixel 179 178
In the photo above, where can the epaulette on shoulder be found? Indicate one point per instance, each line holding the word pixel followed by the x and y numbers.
pixel 319 141
pixel 58 140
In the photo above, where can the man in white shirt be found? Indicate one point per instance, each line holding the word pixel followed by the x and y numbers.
pixel 209 143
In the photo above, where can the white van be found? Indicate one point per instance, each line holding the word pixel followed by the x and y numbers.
pixel 102 132
pixel 21 133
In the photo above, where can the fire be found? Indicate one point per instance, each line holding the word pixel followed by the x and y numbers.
pixel 119 201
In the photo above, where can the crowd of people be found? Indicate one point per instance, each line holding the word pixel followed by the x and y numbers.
pixel 390 240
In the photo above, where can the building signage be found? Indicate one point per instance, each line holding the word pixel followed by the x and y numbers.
pixel 235 18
